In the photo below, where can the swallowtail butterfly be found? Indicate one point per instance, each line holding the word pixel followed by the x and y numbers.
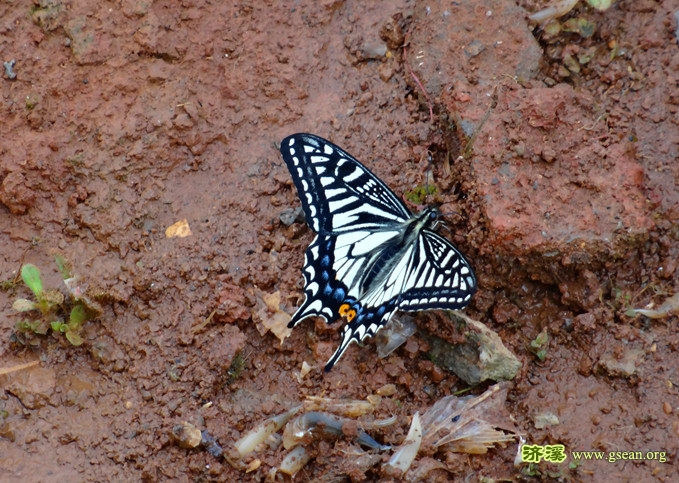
pixel 371 256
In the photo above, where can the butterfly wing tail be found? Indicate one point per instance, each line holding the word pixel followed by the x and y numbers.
pixel 348 336
pixel 365 325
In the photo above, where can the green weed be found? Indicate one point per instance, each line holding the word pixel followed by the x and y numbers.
pixel 419 194
pixel 236 368
pixel 51 309
pixel 538 346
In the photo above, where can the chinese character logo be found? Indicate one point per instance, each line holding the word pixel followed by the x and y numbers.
pixel 534 453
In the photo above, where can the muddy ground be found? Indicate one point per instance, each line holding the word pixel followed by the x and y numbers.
pixel 121 118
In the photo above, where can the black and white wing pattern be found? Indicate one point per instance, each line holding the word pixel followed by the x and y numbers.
pixel 371 256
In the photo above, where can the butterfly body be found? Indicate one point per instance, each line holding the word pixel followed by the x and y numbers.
pixel 371 256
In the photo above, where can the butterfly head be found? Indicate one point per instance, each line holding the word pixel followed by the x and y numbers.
pixel 431 216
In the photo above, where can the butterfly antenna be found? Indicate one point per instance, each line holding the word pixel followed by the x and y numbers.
pixel 444 226
pixel 442 223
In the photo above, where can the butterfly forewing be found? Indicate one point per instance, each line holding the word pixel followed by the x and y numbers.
pixel 338 193
pixel 371 256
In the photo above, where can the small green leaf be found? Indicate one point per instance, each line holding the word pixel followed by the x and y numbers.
pixel 581 26
pixel 24 326
pixel 631 313
pixel 78 316
pixel 600 4
pixel 587 55
pixel 23 305
pixel 31 277
pixel 541 340
pixel 74 337
pixel 538 346
pixel 418 195
pixel 57 326
pixel 571 64
pixel 552 29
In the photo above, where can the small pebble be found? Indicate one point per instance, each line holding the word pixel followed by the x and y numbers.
pixel 210 444
pixel 386 390
pixel 370 51
pixel 667 407
pixel 437 375
pixel 186 435
pixel 9 69
pixel 292 215
pixel 474 48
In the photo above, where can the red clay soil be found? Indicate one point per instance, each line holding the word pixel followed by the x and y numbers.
pixel 119 119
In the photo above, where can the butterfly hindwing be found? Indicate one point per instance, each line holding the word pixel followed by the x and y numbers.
pixel 324 292
pixel 440 277
pixel 333 267
pixel 365 325
pixel 371 256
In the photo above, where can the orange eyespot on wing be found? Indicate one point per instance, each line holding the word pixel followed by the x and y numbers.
pixel 344 308
pixel 346 312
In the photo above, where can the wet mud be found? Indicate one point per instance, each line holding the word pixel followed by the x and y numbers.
pixel 552 152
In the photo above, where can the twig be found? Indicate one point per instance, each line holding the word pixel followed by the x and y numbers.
pixel 8 370
pixel 198 328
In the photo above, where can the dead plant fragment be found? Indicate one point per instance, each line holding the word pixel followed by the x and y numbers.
pixel 320 418
pixel 470 424
pixel 667 308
